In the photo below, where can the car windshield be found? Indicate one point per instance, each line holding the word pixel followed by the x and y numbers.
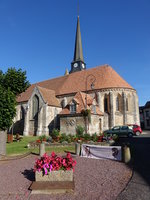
pixel 116 128
pixel 130 126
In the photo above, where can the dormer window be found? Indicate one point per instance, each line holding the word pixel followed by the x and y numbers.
pixel 73 108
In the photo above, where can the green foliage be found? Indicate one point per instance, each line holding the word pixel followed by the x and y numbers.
pixel 18 148
pixel 87 113
pixel 55 133
pixel 87 136
pixel 7 108
pixel 63 137
pixel 94 137
pixel 115 137
pixel 79 131
pixel 12 83
pixel 16 80
pixel 42 138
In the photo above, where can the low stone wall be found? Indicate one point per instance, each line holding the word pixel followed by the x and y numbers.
pixel 60 175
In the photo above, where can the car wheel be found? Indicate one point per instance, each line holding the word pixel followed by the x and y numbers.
pixel 137 133
pixel 130 135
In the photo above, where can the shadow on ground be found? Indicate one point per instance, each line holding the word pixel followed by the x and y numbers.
pixel 29 174
pixel 140 150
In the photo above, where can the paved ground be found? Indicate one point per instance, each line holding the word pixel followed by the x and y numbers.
pixel 94 180
pixel 139 186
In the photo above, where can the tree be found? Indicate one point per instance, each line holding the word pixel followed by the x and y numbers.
pixel 16 80
pixel 12 83
pixel 7 108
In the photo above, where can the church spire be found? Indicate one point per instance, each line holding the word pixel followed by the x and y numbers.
pixel 78 61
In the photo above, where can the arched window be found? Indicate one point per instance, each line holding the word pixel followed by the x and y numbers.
pixel 117 103
pixel 105 104
pixel 35 106
pixel 127 105
pixel 22 113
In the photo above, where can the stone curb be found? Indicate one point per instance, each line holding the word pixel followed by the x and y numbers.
pixel 7 158
pixel 127 183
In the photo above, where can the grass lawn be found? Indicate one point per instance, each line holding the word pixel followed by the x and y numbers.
pixel 18 148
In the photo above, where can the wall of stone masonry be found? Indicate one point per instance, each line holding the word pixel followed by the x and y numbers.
pixel 114 117
pixel 68 124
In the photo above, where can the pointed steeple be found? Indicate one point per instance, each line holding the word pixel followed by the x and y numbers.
pixel 78 53
pixel 78 61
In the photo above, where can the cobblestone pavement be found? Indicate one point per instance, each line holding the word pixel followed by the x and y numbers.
pixel 94 180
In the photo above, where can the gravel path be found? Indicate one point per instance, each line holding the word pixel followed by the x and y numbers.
pixel 94 180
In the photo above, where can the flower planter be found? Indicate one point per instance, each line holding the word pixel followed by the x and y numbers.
pixel 9 138
pixel 60 175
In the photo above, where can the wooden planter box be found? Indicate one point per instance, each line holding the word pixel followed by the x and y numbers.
pixel 9 138
pixel 60 175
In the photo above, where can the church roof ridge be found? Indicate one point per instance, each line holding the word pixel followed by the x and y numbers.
pixel 106 78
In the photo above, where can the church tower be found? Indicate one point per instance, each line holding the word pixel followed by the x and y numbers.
pixel 78 61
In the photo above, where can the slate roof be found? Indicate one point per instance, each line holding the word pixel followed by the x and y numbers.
pixel 80 99
pixel 106 77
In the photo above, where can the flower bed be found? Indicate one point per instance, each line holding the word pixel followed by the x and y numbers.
pixel 54 168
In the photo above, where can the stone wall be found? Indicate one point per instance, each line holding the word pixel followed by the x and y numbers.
pixel 68 124
pixel 114 117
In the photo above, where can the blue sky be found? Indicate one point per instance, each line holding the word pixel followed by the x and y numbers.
pixel 39 35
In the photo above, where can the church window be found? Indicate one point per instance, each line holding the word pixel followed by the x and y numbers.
pixel 22 113
pixel 106 104
pixel 127 105
pixel 117 103
pixel 35 106
pixel 73 108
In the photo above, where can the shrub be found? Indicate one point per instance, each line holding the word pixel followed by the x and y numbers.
pixel 87 136
pixel 63 137
pixel 55 133
pixel 43 138
pixel 94 137
pixel 79 131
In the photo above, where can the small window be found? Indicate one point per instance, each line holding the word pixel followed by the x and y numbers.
pixel 73 108
pixel 147 113
pixel 22 113
pixel 117 104
pixel 106 104
pixel 127 105
pixel 148 122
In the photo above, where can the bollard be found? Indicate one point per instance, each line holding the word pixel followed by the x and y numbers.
pixel 126 154
pixel 77 149
pixel 42 149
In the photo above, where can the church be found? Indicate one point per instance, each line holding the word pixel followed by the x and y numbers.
pixel 62 102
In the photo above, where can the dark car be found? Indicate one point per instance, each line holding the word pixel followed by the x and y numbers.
pixel 120 131
pixel 136 129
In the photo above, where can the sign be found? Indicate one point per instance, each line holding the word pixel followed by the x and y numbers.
pixel 101 152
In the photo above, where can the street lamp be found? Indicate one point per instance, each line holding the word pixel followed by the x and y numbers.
pixel 92 80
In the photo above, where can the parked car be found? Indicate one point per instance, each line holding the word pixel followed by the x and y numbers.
pixel 136 129
pixel 120 131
